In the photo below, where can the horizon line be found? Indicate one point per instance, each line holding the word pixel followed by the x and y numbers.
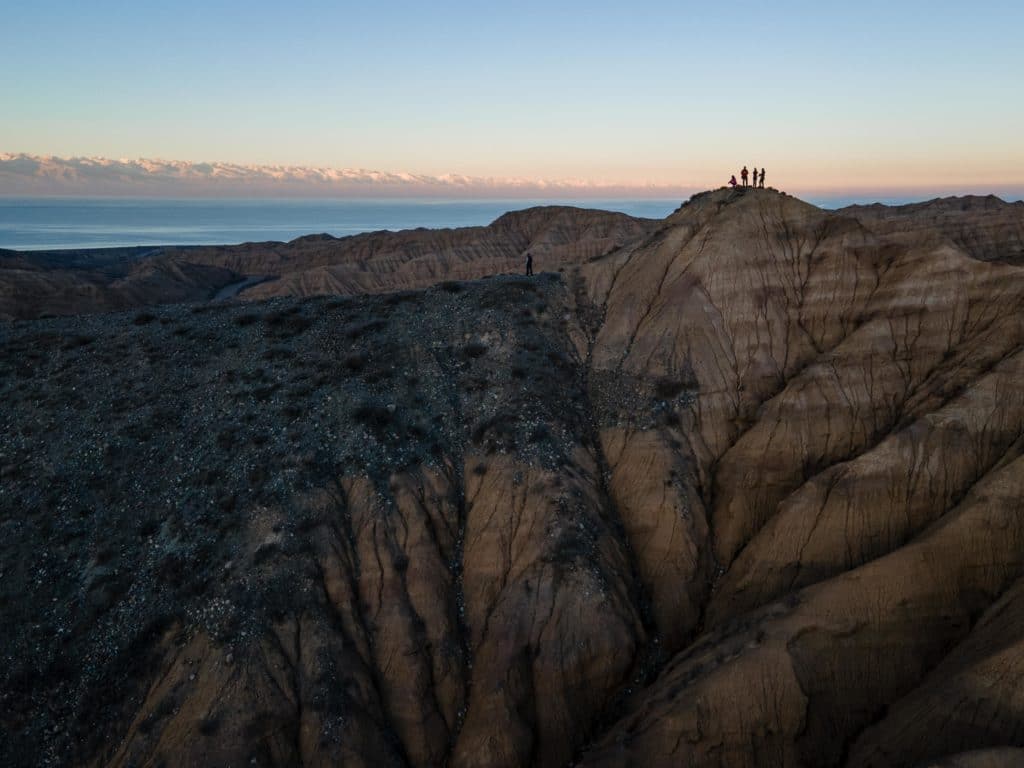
pixel 25 175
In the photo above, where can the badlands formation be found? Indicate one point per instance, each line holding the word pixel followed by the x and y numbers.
pixel 66 283
pixel 742 487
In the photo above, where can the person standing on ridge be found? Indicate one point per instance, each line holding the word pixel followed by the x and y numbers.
pixel 529 263
pixel 761 183
pixel 744 174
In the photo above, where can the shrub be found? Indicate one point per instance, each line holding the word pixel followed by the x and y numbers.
pixel 76 341
pixel 539 433
pixel 367 326
pixel 226 438
pixel 668 387
pixel 373 414
pixel 475 349
pixel 209 725
pixel 395 299
pixel 278 353
pixel 289 322
pixel 355 363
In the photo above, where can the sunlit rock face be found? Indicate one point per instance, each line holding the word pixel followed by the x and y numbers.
pixel 738 488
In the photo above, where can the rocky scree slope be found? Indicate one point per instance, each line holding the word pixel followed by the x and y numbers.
pixel 745 492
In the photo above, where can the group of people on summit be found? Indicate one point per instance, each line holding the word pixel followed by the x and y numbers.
pixel 750 179
pixel 745 175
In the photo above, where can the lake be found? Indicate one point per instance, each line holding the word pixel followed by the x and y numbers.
pixel 73 223
pixel 56 223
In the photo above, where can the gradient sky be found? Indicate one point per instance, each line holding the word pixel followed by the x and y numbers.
pixel 869 95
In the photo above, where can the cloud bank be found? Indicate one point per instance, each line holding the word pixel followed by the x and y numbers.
pixel 22 174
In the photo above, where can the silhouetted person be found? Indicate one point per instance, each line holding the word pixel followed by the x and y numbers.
pixel 529 263
pixel 732 181
pixel 744 174
pixel 761 183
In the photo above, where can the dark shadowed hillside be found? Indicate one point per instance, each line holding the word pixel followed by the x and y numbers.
pixel 742 488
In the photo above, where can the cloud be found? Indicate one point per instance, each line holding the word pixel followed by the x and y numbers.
pixel 22 174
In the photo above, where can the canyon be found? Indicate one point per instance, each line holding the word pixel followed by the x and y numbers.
pixel 741 487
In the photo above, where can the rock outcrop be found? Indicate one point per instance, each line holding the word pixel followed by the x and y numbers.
pixel 984 227
pixel 744 487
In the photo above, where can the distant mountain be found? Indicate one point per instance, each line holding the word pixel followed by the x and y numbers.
pixel 22 174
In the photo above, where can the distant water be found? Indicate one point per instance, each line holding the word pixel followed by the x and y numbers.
pixel 72 223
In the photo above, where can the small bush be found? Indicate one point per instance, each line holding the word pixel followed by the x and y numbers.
pixel 395 299
pixel 289 322
pixel 172 570
pixel 475 349
pixel 372 414
pixel 76 341
pixel 209 725
pixel 258 477
pixel 367 326
pixel 355 363
pixel 264 552
pixel 497 431
pixel 667 387
pixel 263 393
pixel 539 434
pixel 226 438
pixel 278 353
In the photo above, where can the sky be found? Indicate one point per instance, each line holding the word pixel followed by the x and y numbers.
pixel 831 97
